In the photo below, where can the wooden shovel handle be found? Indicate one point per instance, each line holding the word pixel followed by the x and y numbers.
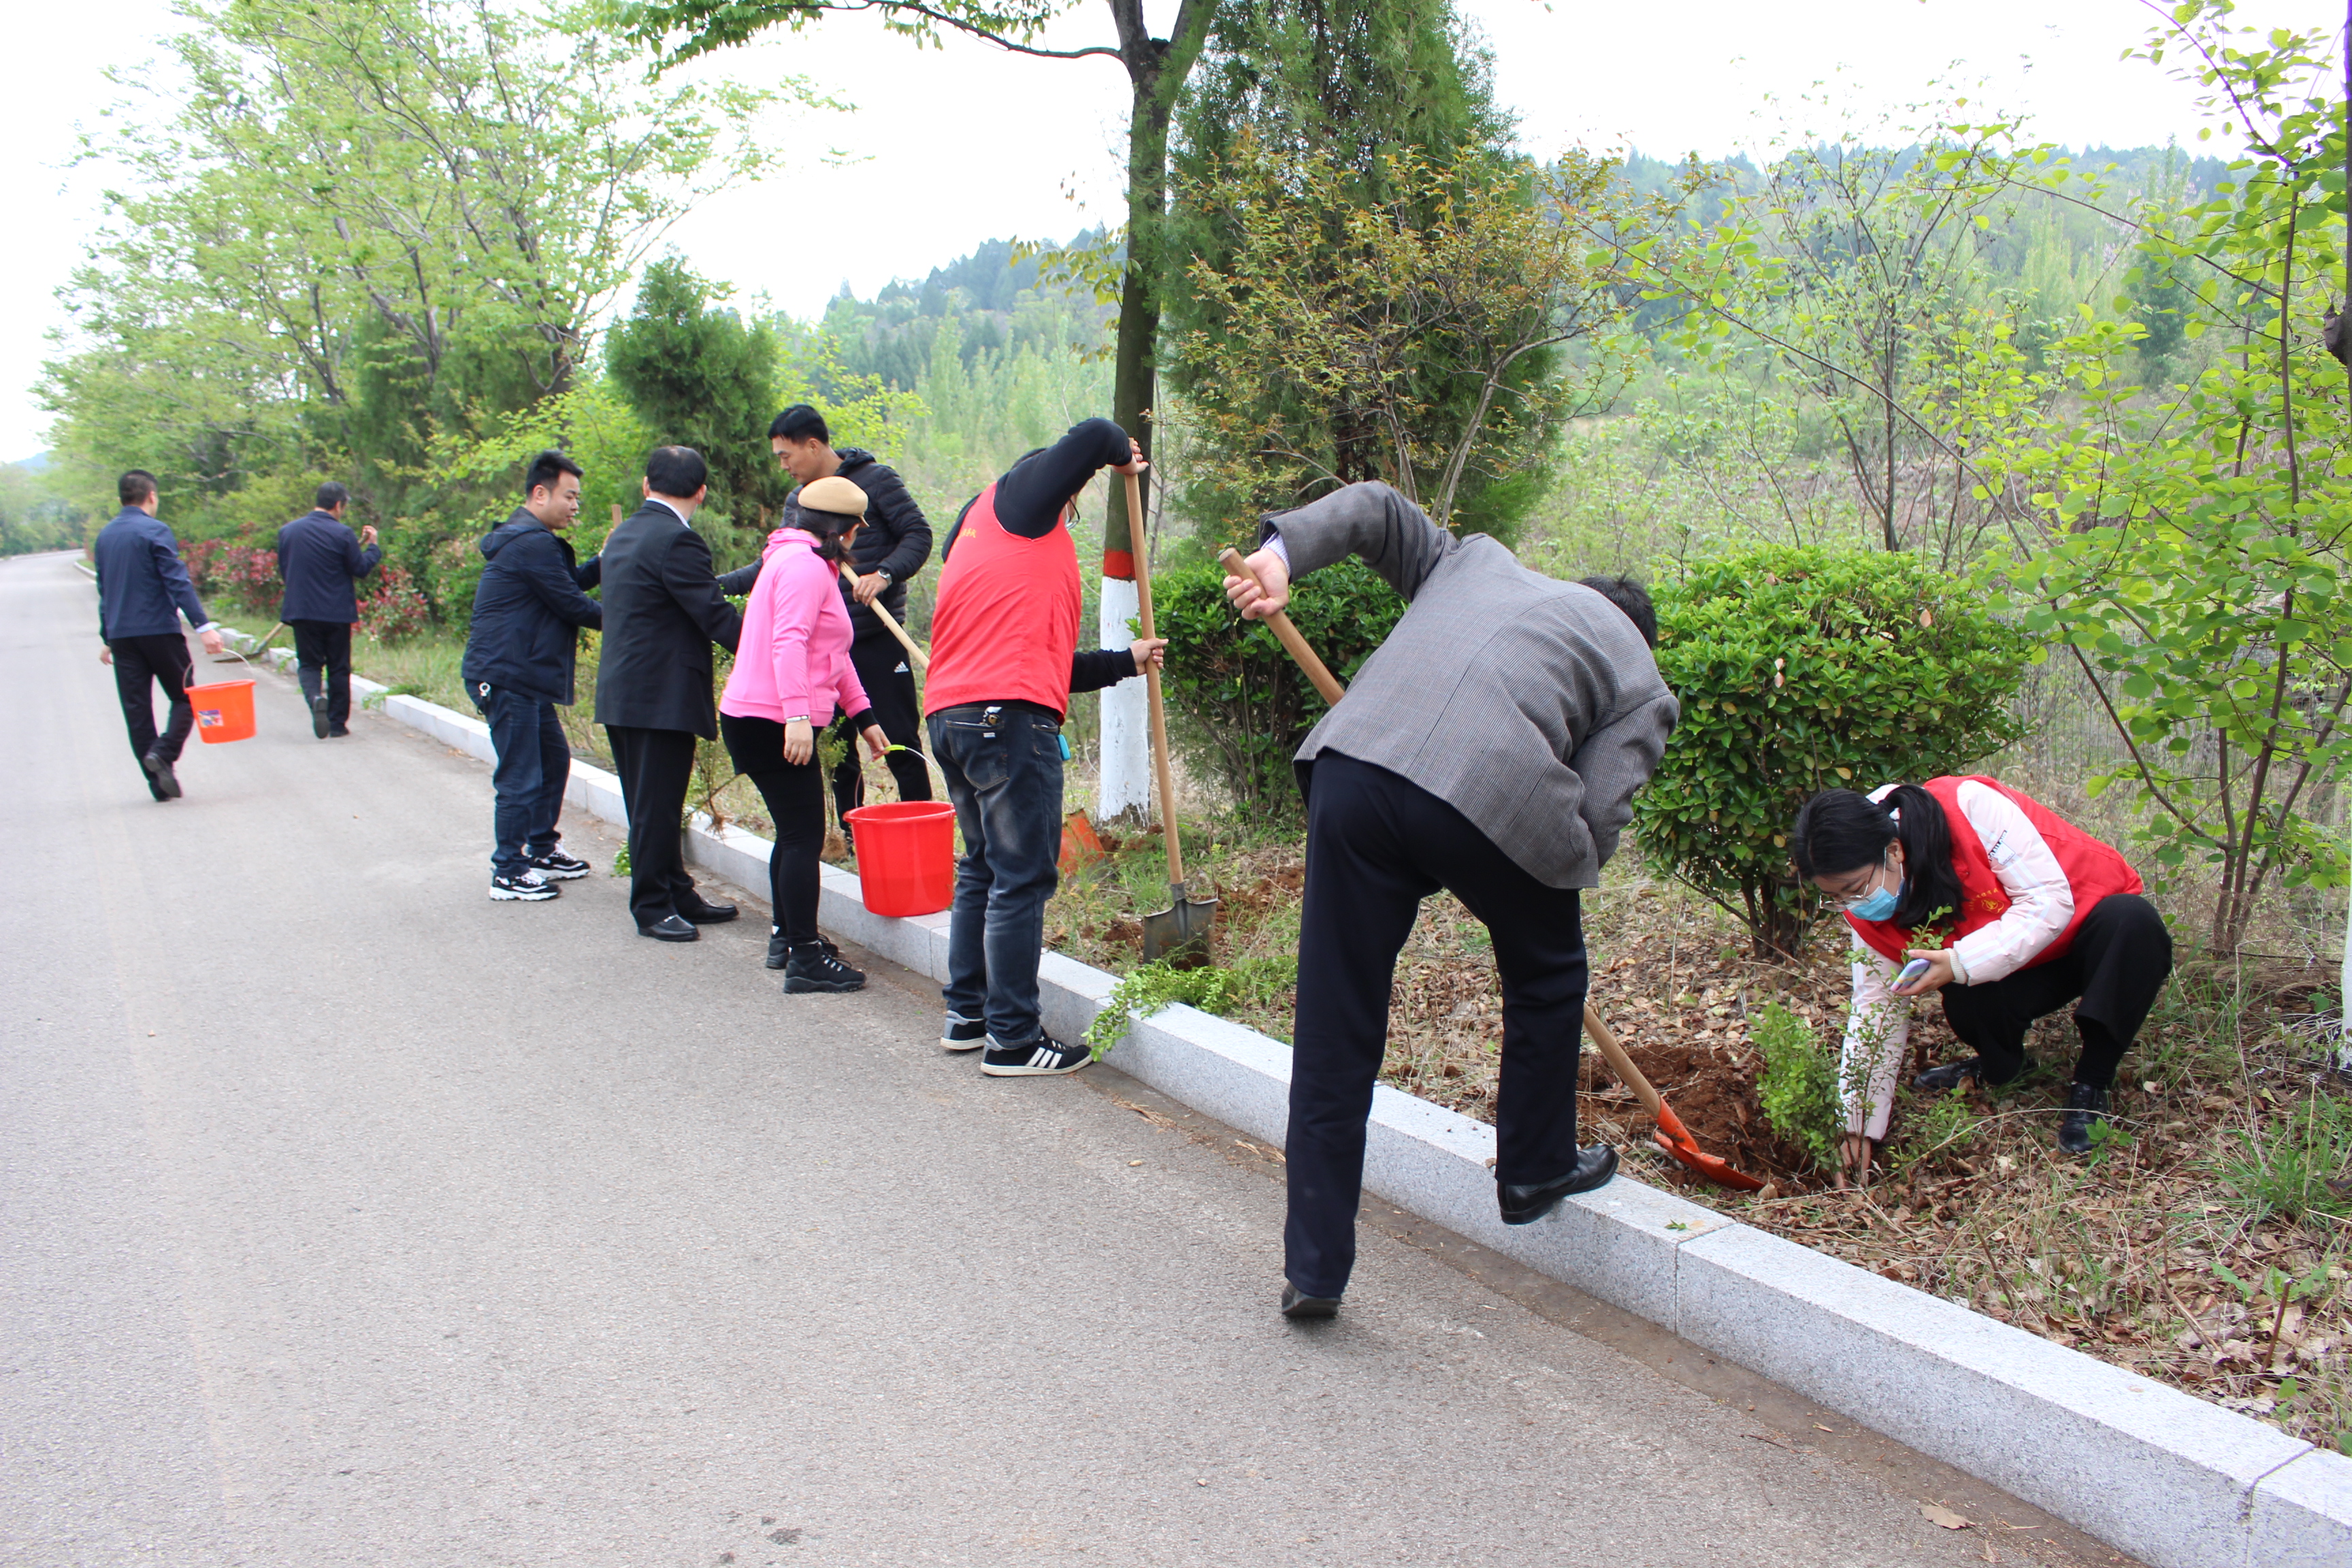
pixel 922 660
pixel 1142 550
pixel 1619 1062
pixel 1286 633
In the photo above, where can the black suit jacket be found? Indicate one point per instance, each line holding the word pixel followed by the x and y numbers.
pixel 319 556
pixel 662 609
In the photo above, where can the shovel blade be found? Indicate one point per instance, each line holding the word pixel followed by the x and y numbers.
pixel 1178 935
pixel 1676 1139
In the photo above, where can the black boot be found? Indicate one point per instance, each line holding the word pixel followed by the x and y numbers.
pixel 780 947
pixel 2087 1106
pixel 809 967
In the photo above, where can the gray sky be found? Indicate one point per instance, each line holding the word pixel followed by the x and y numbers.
pixel 955 146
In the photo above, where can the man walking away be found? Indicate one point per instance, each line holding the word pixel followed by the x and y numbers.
pixel 142 591
pixel 319 558
pixel 1492 746
pixel 529 610
pixel 1005 660
pixel 891 546
pixel 663 611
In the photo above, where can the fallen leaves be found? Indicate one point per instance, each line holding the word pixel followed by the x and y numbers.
pixel 1943 1518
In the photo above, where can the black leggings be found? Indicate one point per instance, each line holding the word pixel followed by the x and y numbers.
pixel 2120 957
pixel 794 794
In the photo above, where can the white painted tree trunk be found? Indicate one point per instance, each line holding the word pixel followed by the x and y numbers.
pixel 1125 780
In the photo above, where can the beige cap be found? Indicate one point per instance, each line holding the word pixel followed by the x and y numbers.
pixel 833 494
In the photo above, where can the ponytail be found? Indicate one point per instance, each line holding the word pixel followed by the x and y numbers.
pixel 1931 889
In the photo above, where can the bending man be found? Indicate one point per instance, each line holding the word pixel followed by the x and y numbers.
pixel 1491 746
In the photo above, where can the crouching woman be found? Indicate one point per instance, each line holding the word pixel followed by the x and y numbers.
pixel 792 673
pixel 2012 910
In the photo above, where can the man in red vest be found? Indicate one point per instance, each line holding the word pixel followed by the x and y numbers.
pixel 1005 660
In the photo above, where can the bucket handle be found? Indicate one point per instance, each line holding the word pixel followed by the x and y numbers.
pixel 926 756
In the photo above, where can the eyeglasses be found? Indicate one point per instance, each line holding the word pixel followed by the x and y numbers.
pixel 1868 890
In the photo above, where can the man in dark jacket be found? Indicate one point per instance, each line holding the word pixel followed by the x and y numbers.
pixel 890 548
pixel 663 611
pixel 528 608
pixel 142 590
pixel 319 558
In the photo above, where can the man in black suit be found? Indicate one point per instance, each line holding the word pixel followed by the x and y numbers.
pixel 319 559
pixel 663 610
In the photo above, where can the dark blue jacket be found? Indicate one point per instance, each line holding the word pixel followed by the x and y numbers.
pixel 143 585
pixel 527 609
pixel 318 558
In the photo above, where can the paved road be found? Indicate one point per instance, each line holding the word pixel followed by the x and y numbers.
pixel 351 1218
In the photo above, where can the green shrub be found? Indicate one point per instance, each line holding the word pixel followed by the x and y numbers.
pixel 1799 1084
pixel 1145 991
pixel 1240 706
pixel 1803 669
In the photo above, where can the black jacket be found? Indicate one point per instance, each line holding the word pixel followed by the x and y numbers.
pixel 527 611
pixel 142 584
pixel 319 557
pixel 896 538
pixel 662 609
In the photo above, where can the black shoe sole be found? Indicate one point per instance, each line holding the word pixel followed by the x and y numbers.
pixel 705 918
pixel 167 782
pixel 319 718
pixel 665 936
pixel 809 987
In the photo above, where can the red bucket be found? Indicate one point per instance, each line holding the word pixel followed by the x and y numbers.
pixel 224 711
pixel 905 855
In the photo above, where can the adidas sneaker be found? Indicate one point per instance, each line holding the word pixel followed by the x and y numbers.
pixel 1040 1057
pixel 963 1034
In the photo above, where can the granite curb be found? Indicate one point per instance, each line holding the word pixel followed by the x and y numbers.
pixel 2168 1478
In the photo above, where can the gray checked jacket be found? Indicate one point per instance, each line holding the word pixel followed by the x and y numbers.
pixel 1530 705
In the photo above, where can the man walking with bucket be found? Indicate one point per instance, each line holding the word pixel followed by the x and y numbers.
pixel 142 591
pixel 1490 746
pixel 320 559
pixel 528 612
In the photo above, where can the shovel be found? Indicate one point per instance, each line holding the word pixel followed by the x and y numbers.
pixel 1178 933
pixel 1671 1135
pixel 922 661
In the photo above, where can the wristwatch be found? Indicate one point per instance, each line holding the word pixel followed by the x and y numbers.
pixel 883 573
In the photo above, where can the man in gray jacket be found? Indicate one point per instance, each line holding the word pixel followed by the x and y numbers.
pixel 1491 746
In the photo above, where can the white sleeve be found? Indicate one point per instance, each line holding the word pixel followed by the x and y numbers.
pixel 1877 1027
pixel 2041 901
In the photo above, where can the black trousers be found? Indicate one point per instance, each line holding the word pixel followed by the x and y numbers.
pixel 325 646
pixel 656 766
pixel 794 794
pixel 139 664
pixel 2118 962
pixel 889 677
pixel 1376 846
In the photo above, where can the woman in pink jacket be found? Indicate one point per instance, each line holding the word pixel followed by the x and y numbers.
pixel 792 673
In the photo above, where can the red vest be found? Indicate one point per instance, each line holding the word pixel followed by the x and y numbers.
pixel 1006 623
pixel 2094 871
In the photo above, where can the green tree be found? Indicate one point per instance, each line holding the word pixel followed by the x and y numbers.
pixel 1801 669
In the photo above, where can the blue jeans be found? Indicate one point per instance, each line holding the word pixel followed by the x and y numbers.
pixel 1003 768
pixel 534 765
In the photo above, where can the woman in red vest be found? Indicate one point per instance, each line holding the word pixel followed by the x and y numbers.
pixel 2014 912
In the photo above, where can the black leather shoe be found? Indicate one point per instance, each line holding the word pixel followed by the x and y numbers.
pixel 1945 1078
pixel 670 928
pixel 1300 1308
pixel 2087 1106
pixel 703 912
pixel 166 783
pixel 1525 1205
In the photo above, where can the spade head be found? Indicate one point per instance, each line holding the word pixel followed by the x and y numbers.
pixel 1676 1139
pixel 1180 935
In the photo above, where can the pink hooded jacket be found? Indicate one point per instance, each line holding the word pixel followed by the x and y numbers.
pixel 794 658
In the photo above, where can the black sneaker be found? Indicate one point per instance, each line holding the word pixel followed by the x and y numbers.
pixel 809 967
pixel 780 947
pixel 1950 1076
pixel 166 783
pixel 556 866
pixel 337 731
pixel 319 715
pixel 2087 1106
pixel 1300 1307
pixel 525 888
pixel 963 1034
pixel 1040 1057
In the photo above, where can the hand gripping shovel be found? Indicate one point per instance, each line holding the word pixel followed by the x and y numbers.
pixel 1178 933
pixel 1671 1135
pixel 922 661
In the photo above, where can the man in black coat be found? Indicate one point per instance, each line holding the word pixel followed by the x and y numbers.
pixel 319 558
pixel 529 609
pixel 663 610
pixel 891 547
pixel 142 591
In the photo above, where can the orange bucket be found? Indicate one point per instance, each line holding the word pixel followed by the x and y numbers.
pixel 224 711
pixel 905 855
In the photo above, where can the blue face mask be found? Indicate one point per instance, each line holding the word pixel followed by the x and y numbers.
pixel 1879 906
